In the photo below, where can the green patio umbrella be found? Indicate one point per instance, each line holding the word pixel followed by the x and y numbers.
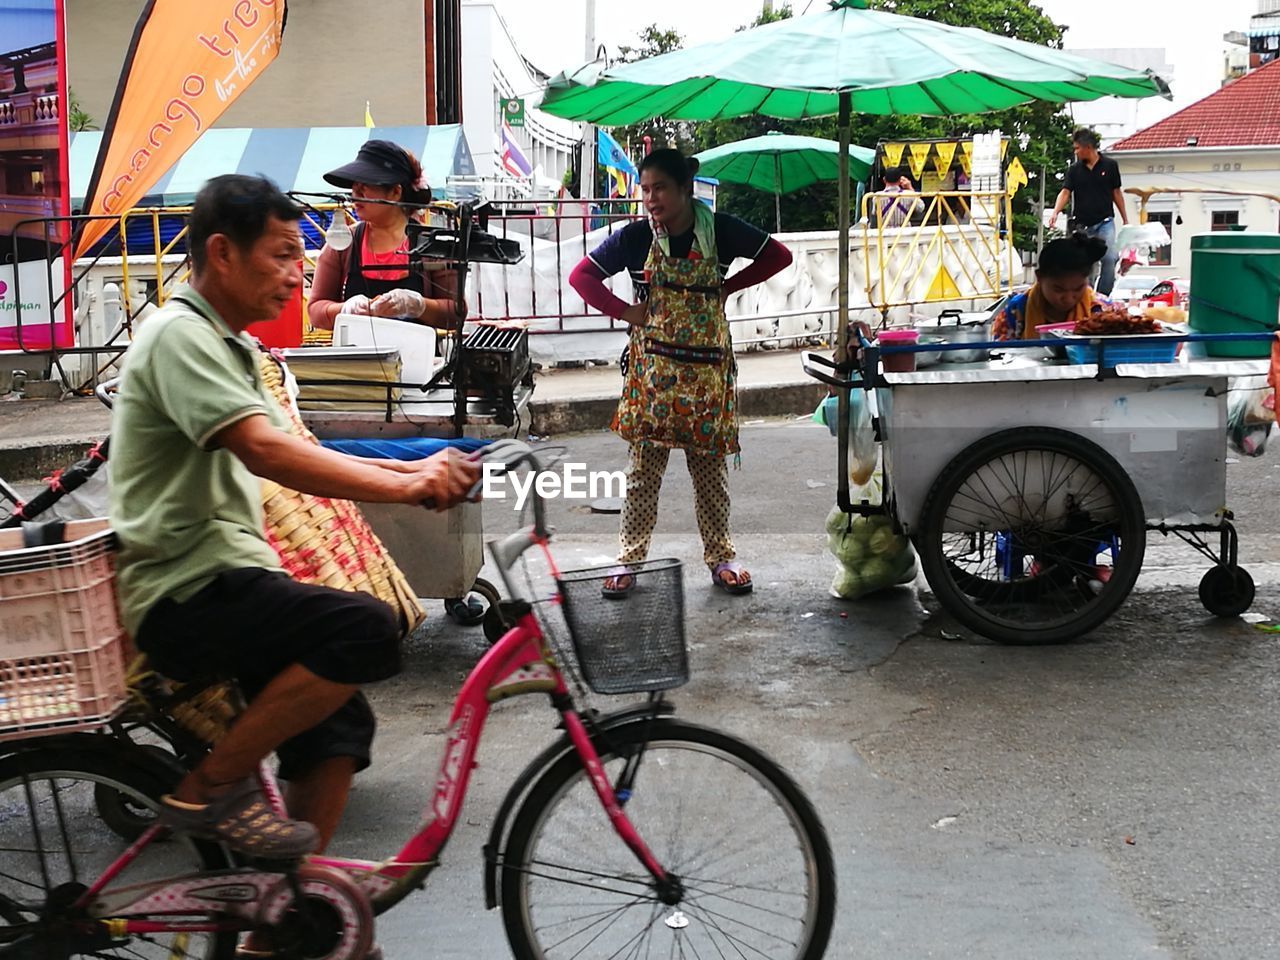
pixel 844 59
pixel 779 163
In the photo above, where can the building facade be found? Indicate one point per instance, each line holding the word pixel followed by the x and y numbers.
pixel 495 71
pixel 1215 165
pixel 1257 45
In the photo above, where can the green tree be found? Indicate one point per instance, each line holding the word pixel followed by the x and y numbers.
pixel 1040 132
pixel 77 118
pixel 663 132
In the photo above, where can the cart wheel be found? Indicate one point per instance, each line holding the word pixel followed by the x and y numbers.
pixel 1226 591
pixel 499 618
pixel 465 611
pixel 470 610
pixel 1032 535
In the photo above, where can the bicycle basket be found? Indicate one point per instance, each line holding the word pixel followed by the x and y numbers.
pixel 631 644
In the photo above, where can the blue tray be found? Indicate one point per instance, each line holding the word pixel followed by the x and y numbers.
pixel 1145 348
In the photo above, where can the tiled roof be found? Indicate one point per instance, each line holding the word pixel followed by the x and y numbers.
pixel 1244 113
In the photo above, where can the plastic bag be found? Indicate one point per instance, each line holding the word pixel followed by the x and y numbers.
pixel 869 554
pixel 864 452
pixel 1250 415
pixel 84 503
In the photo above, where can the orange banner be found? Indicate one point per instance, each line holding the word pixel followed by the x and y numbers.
pixel 187 63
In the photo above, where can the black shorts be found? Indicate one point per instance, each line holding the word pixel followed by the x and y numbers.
pixel 251 624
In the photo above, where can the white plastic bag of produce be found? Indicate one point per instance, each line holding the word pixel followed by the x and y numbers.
pixel 864 452
pixel 869 554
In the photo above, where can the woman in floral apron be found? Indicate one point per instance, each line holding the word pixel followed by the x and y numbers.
pixel 679 373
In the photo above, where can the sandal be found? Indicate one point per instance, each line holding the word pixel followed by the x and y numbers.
pixel 741 582
pixel 619 584
pixel 243 820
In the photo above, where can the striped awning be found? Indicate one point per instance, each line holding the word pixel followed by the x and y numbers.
pixel 296 158
pixel 1264 27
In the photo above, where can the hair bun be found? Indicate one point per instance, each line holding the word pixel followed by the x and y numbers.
pixel 693 163
pixel 1094 248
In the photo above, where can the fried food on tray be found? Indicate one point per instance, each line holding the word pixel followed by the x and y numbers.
pixel 1166 314
pixel 1114 322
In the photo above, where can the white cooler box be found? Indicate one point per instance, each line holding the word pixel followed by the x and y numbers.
pixel 440 553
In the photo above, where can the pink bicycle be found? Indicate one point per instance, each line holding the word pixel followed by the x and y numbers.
pixel 634 835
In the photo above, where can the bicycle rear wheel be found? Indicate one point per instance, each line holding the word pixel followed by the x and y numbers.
pixel 54 839
pixel 750 854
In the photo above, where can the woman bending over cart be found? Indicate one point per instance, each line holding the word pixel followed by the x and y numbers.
pixel 1061 293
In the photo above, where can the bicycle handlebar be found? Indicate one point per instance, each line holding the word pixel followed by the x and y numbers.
pixel 106 392
pixel 509 455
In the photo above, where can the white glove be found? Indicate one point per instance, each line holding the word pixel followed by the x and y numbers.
pixel 358 305
pixel 399 304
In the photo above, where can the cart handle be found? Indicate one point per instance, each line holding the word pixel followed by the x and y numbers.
pixel 810 361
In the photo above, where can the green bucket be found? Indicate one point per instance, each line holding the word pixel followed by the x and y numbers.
pixel 1235 288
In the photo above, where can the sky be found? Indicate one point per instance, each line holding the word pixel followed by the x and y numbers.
pixel 1192 39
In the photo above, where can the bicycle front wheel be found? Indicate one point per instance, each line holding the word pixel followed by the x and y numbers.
pixel 57 838
pixel 753 864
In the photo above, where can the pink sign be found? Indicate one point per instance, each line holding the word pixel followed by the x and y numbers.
pixel 34 181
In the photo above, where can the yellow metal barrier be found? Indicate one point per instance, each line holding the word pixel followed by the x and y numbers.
pixel 935 247
pixel 180 269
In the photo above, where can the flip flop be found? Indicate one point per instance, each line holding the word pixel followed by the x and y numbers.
pixel 742 582
pixel 619 584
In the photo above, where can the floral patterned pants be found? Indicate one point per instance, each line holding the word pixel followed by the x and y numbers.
pixel 710 475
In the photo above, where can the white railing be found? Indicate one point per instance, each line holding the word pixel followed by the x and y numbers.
pixel 32 109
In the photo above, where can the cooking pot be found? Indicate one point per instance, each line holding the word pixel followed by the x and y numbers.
pixel 956 327
pixel 927 358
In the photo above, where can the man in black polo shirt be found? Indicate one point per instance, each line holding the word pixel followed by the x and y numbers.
pixel 1094 181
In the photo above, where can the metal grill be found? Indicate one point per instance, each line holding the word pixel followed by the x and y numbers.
pixel 493 362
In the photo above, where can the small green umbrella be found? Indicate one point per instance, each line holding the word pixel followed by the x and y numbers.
pixel 780 163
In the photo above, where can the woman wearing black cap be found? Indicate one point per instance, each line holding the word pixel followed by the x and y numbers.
pixel 372 276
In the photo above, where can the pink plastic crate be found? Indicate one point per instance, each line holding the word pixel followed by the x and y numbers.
pixel 62 648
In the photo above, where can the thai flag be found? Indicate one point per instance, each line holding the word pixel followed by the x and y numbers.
pixel 512 156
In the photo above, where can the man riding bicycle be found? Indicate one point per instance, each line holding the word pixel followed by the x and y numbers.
pixel 201 590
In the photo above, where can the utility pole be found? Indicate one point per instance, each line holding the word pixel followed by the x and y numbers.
pixel 587 180
pixel 1040 211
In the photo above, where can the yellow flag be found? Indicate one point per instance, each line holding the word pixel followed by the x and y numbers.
pixel 942 159
pixel 1015 176
pixel 919 154
pixel 368 117
pixel 893 154
pixel 1004 148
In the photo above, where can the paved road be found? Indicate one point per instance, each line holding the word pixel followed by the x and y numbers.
pixel 1114 798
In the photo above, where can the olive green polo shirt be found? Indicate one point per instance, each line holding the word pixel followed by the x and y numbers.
pixel 183 510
